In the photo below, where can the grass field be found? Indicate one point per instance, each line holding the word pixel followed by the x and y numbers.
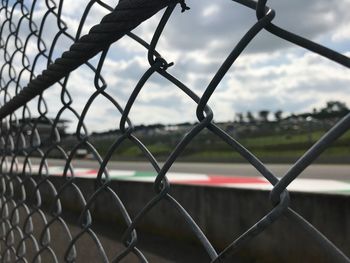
pixel 207 147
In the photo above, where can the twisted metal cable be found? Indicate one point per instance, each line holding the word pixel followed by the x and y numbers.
pixel 21 140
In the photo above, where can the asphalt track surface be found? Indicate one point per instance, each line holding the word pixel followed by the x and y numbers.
pixel 317 171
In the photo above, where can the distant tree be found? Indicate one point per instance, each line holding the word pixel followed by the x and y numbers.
pixel 332 109
pixel 185 124
pixel 278 115
pixel 335 106
pixel 250 117
pixel 263 115
pixel 239 117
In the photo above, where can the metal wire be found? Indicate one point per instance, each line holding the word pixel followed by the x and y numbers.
pixel 21 139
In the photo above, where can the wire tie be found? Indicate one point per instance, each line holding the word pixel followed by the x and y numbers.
pixel 184 7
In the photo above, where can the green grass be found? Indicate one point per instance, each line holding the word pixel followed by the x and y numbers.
pixel 207 147
pixel 288 139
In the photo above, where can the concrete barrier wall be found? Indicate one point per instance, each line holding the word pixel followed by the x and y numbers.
pixel 223 214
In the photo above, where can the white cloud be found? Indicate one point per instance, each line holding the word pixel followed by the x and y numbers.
pixel 210 11
pixel 342 34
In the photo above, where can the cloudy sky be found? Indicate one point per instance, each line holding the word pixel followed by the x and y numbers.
pixel 271 74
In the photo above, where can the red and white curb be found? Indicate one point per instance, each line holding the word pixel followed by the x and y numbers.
pixel 234 181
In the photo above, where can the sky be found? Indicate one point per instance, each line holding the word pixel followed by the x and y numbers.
pixel 271 74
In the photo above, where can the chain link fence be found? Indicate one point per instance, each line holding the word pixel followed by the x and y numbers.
pixel 27 132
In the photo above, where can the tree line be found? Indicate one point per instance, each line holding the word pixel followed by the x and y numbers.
pixel 332 109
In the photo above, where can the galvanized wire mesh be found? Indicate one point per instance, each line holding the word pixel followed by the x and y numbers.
pixel 21 138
